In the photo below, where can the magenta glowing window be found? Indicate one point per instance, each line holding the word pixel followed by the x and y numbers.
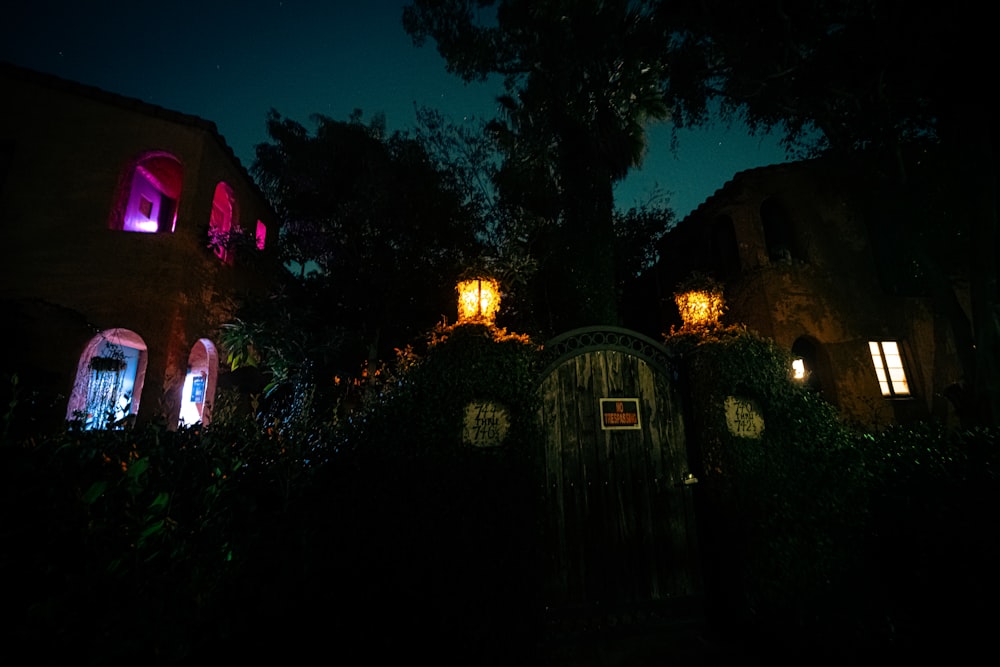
pixel 152 192
pixel 223 221
pixel 261 235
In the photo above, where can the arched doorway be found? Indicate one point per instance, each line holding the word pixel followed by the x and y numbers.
pixel 617 503
pixel 811 360
pixel 199 384
pixel 109 381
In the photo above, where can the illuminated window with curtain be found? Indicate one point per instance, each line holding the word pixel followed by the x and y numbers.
pixel 888 361
pixel 224 219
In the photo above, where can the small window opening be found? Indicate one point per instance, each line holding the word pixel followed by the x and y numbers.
pixel 150 198
pixel 889 368
pixel 778 232
pixel 223 221
pixel 261 235
pixel 725 250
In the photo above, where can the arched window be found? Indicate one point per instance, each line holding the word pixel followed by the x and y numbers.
pixel 199 384
pixel 779 234
pixel 261 235
pixel 149 194
pixel 224 220
pixel 725 252
pixel 109 381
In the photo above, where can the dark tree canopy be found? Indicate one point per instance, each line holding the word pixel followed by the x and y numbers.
pixel 893 87
pixel 864 74
pixel 581 79
pixel 376 234
pixel 888 86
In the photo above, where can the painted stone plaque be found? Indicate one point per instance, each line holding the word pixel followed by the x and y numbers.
pixel 486 424
pixel 743 417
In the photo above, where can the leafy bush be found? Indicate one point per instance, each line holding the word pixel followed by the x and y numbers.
pixel 934 494
pixel 443 529
pixel 215 542
pixel 821 538
pixel 122 544
pixel 785 512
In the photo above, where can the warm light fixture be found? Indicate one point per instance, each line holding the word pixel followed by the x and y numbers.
pixel 700 308
pixel 798 369
pixel 478 300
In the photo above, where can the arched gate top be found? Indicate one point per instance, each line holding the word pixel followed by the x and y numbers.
pixel 588 339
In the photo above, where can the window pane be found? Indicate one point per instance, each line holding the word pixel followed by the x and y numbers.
pixel 877 362
pixel 899 384
pixel 150 203
pixel 261 235
pixel 888 364
pixel 222 221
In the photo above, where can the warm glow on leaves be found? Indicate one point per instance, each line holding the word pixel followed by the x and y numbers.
pixel 442 332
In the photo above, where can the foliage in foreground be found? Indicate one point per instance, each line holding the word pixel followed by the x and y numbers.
pixel 818 535
pixel 218 541
pixel 223 541
pixel 412 533
pixel 119 544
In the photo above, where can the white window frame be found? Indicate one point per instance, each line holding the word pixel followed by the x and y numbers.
pixel 887 358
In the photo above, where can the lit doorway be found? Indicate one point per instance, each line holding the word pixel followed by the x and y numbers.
pixel 109 381
pixel 199 384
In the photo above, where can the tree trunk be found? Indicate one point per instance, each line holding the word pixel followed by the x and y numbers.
pixel 588 206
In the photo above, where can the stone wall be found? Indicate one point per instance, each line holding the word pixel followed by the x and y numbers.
pixel 791 245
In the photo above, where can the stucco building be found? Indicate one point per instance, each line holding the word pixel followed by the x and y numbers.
pixel 117 220
pixel 794 251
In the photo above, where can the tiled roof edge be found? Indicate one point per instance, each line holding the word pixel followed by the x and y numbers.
pixel 53 81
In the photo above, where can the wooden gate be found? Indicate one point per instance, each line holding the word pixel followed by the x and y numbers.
pixel 619 518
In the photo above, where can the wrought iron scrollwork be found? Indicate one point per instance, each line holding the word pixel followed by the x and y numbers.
pixel 580 341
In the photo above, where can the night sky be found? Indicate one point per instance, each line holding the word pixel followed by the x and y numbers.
pixel 230 62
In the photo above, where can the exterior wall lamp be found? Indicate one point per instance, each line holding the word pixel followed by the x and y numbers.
pixel 478 301
pixel 799 369
pixel 700 308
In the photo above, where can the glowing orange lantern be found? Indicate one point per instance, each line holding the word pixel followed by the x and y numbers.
pixel 478 300
pixel 700 308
